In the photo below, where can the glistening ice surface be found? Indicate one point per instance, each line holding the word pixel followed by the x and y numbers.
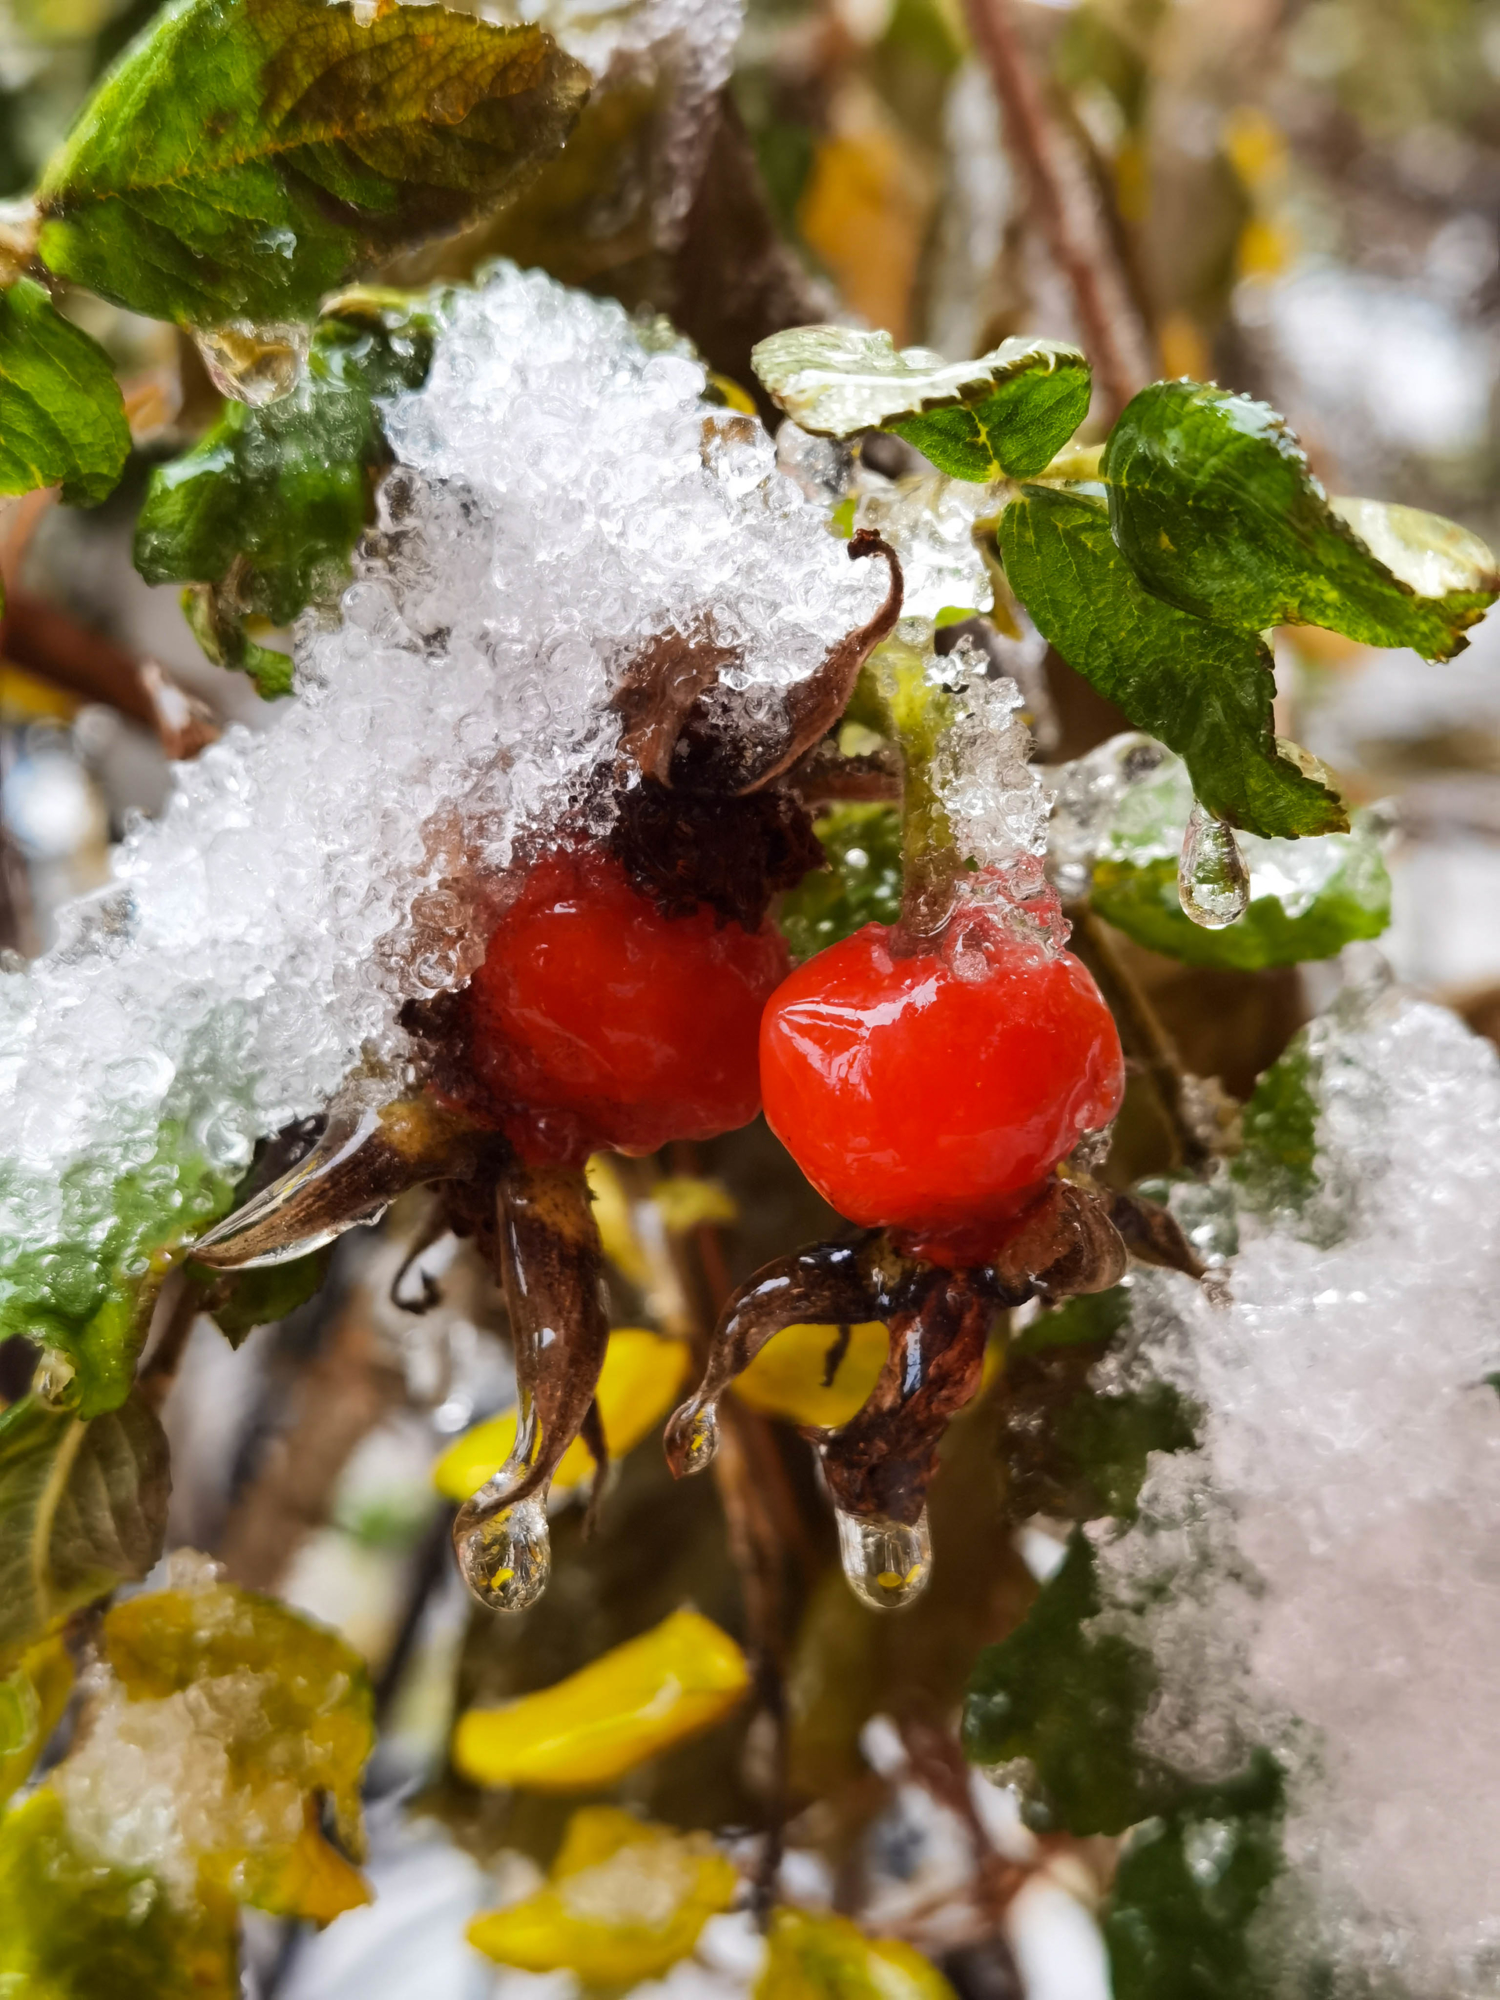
pixel 1329 1553
pixel 562 497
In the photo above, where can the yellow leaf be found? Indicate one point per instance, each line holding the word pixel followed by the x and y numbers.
pixel 612 1218
pixel 625 1903
pixel 631 1703
pixel 309 1879
pixel 828 1958
pixel 32 1700
pixel 684 1200
pixel 786 1379
pixel 642 1377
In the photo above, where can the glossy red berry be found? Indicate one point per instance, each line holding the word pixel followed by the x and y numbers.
pixel 595 1021
pixel 932 1093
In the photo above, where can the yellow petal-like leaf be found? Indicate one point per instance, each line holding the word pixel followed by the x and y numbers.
pixel 828 1958
pixel 630 1704
pixel 802 1376
pixel 32 1700
pixel 625 1903
pixel 642 1377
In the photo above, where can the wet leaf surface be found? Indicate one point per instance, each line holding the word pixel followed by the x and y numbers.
pixel 62 422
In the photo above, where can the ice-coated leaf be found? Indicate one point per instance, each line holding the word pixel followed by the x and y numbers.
pixel 1214 506
pixel 62 421
pixel 247 156
pixel 267 506
pixel 625 1902
pixel 1276 1166
pixel 83 1507
pixel 642 1377
pixel 1185 1891
pixel 243 1300
pixel 1308 898
pixel 1067 1698
pixel 819 1956
pixel 861 884
pixel 81 1291
pixel 1000 417
pixel 671 1683
pixel 1202 689
pixel 32 1699
pixel 74 1930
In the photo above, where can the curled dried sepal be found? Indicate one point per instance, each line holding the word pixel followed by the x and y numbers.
pixel 366 1157
pixel 657 690
pixel 1153 1234
pixel 1064 1244
pixel 631 1703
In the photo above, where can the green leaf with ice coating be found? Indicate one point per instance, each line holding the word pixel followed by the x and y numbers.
pixel 247 156
pixel 75 1929
pixel 1002 416
pixel 62 421
pixel 264 511
pixel 1202 689
pixel 80 1287
pixel 861 884
pixel 1212 503
pixel 1277 1165
pixel 83 1507
pixel 1308 898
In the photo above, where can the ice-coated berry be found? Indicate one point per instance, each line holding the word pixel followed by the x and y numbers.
pixel 595 1021
pixel 932 1092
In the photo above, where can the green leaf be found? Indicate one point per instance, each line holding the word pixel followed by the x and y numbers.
pixel 1091 1318
pixel 1203 690
pixel 32 1700
pixel 1003 416
pixel 76 1930
pixel 220 631
pixel 1068 1699
pixel 81 1294
pixel 815 1955
pixel 1277 1164
pixel 1213 505
pixel 83 1507
pixel 1186 1889
pixel 267 506
pixel 264 1295
pixel 861 884
pixel 1308 898
pixel 62 422
pixel 247 156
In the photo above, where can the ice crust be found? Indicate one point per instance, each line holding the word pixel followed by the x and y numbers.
pixel 1332 1587
pixel 562 495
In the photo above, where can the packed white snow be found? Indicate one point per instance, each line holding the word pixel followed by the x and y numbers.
pixel 1329 1556
pixel 562 496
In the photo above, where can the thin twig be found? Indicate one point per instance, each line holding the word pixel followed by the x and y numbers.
pixel 1066 209
pixel 178 1307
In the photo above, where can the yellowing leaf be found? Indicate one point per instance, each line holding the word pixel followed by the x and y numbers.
pixel 630 1704
pixel 804 1376
pixel 684 1201
pixel 641 1379
pixel 625 1903
pixel 828 1958
pixel 31 1704
pixel 612 1218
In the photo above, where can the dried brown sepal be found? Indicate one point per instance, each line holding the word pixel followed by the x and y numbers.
pixel 1064 1244
pixel 880 1464
pixel 365 1157
pixel 657 690
pixel 184 724
pixel 1153 1234
pixel 552 1268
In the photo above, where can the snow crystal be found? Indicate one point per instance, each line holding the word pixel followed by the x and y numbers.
pixel 561 496
pixel 1320 1575
pixel 993 793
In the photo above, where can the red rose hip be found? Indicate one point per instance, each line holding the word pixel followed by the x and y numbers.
pixel 595 1021
pixel 933 1093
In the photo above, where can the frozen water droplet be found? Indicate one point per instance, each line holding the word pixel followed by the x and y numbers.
pixel 694 1438
pixel 887 1562
pixel 1213 883
pixel 254 364
pixel 53 1378
pixel 507 1557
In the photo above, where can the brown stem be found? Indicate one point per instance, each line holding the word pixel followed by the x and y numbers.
pixel 1066 210
pixel 164 1357
pixel 1145 1041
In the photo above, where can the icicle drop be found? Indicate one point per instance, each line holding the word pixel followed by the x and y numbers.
pixel 887 1562
pixel 1213 883
pixel 254 364
pixel 695 1438
pixel 507 1557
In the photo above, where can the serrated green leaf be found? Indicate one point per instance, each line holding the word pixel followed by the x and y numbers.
pixel 1212 502
pixel 1002 416
pixel 62 422
pixel 247 156
pixel 266 508
pixel 79 1293
pixel 1187 1887
pixel 83 1507
pixel 76 1930
pixel 220 631
pixel 1202 689
pixel 1308 898
pixel 861 884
